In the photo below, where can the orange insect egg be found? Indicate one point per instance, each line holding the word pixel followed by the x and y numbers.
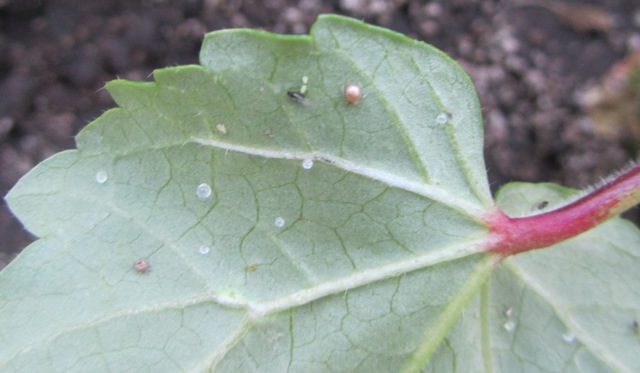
pixel 352 93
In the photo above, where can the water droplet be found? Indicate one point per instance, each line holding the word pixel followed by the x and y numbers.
pixel 307 164
pixel 442 118
pixel 279 222
pixel 509 312
pixel 203 191
pixel 510 326
pixel 204 250
pixel 101 177
pixel 568 337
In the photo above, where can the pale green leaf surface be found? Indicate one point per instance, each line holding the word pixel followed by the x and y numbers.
pixel 573 306
pixel 377 256
pixel 392 191
pixel 568 308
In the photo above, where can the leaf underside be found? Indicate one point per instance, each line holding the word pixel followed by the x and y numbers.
pixel 370 252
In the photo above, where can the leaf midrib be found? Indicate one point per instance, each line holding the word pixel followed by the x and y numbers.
pixel 473 211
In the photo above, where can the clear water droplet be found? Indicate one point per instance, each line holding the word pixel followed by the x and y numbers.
pixel 203 191
pixel 204 250
pixel 101 177
pixel 307 164
pixel 568 337
pixel 279 222
pixel 510 326
pixel 509 312
pixel 442 118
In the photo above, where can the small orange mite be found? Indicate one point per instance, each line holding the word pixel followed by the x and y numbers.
pixel 251 267
pixel 352 93
pixel 141 266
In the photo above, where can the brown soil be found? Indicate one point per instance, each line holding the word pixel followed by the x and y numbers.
pixel 530 65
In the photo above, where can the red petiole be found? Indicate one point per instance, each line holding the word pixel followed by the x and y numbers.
pixel 510 236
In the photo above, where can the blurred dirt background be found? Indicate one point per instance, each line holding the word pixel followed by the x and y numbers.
pixel 558 80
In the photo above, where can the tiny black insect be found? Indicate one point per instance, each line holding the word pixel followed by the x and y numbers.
pixel 296 96
pixel 543 204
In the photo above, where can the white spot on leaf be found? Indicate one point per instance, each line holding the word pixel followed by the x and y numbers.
pixel 442 118
pixel 510 326
pixel 307 164
pixel 204 250
pixel 569 337
pixel 221 128
pixel 279 222
pixel 509 312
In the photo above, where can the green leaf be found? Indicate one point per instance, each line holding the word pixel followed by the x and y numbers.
pixel 572 307
pixel 362 262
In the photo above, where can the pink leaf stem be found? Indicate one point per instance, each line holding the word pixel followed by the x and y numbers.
pixel 512 235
